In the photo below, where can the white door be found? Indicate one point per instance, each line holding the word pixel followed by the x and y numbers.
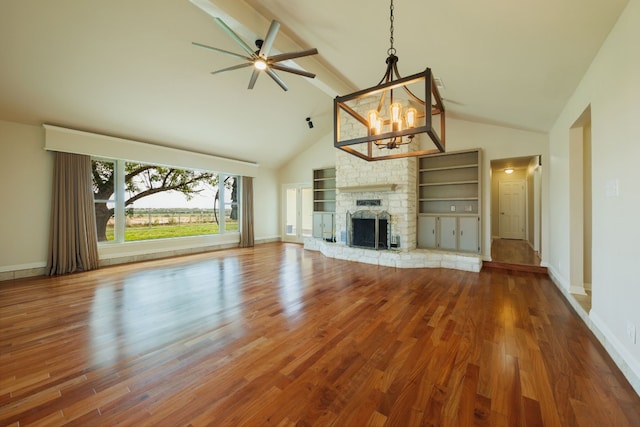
pixel 511 197
pixel 298 212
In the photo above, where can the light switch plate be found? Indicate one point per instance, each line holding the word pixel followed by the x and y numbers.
pixel 613 188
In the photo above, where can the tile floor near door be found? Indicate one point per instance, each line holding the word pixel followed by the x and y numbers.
pixel 513 251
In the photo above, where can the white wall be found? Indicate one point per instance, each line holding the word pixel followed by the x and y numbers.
pixel 266 203
pixel 320 155
pixel 25 197
pixel 25 202
pixel 299 170
pixel 611 87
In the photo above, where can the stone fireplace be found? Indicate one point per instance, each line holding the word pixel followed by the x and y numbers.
pixel 392 185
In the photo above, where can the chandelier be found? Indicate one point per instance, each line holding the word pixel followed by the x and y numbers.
pixel 389 120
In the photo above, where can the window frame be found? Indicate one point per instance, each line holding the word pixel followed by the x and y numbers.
pixel 120 194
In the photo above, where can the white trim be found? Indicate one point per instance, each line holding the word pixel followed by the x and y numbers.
pixel 92 144
pixel 18 267
pixel 144 247
pixel 577 290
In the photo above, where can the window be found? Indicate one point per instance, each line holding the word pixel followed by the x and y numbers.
pixel 104 184
pixel 137 201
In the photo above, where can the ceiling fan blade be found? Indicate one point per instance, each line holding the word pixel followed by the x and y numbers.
pixel 292 55
pixel 254 77
pixel 269 39
pixel 237 55
pixel 292 70
pixel 235 67
pixel 277 79
pixel 234 36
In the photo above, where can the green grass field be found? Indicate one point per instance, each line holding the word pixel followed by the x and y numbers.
pixel 169 231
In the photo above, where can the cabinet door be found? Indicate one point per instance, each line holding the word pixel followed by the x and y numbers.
pixel 469 234
pixel 317 225
pixel 448 232
pixel 427 232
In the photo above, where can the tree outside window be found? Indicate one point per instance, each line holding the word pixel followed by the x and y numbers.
pixel 160 202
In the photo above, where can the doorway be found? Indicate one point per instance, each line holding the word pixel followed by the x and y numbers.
pixel 580 210
pixel 298 212
pixel 516 196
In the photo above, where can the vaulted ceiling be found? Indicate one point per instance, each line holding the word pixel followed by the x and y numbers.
pixel 127 68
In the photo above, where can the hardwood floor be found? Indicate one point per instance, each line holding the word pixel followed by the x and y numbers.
pixel 276 335
pixel 513 251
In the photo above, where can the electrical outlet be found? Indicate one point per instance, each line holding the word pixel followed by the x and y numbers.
pixel 631 332
pixel 468 208
pixel 453 208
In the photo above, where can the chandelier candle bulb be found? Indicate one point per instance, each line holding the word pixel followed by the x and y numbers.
pixel 411 118
pixel 374 123
pixel 378 126
pixel 395 110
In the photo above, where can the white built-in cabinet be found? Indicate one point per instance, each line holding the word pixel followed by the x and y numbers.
pixel 449 201
pixel 324 203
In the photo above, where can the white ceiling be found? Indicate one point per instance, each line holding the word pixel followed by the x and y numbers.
pixel 127 67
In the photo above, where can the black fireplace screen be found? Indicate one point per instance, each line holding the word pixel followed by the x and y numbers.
pixel 369 229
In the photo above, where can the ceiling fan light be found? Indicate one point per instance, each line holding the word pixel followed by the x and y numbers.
pixel 260 64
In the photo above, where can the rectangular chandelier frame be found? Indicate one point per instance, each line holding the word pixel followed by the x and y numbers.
pixel 430 93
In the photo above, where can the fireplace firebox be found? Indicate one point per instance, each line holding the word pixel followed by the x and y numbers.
pixel 369 229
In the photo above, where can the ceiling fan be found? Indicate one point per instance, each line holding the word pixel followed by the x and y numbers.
pixel 260 59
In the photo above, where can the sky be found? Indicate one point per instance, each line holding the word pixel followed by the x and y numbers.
pixel 175 199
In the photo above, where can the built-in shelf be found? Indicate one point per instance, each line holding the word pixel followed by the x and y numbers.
pixel 324 203
pixel 426 184
pixel 324 190
pixel 368 188
pixel 449 201
pixel 449 183
pixel 434 199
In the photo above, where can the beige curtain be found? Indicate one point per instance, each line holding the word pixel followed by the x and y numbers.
pixel 246 204
pixel 73 242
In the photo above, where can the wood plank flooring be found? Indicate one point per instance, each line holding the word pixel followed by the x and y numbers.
pixel 511 251
pixel 276 335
